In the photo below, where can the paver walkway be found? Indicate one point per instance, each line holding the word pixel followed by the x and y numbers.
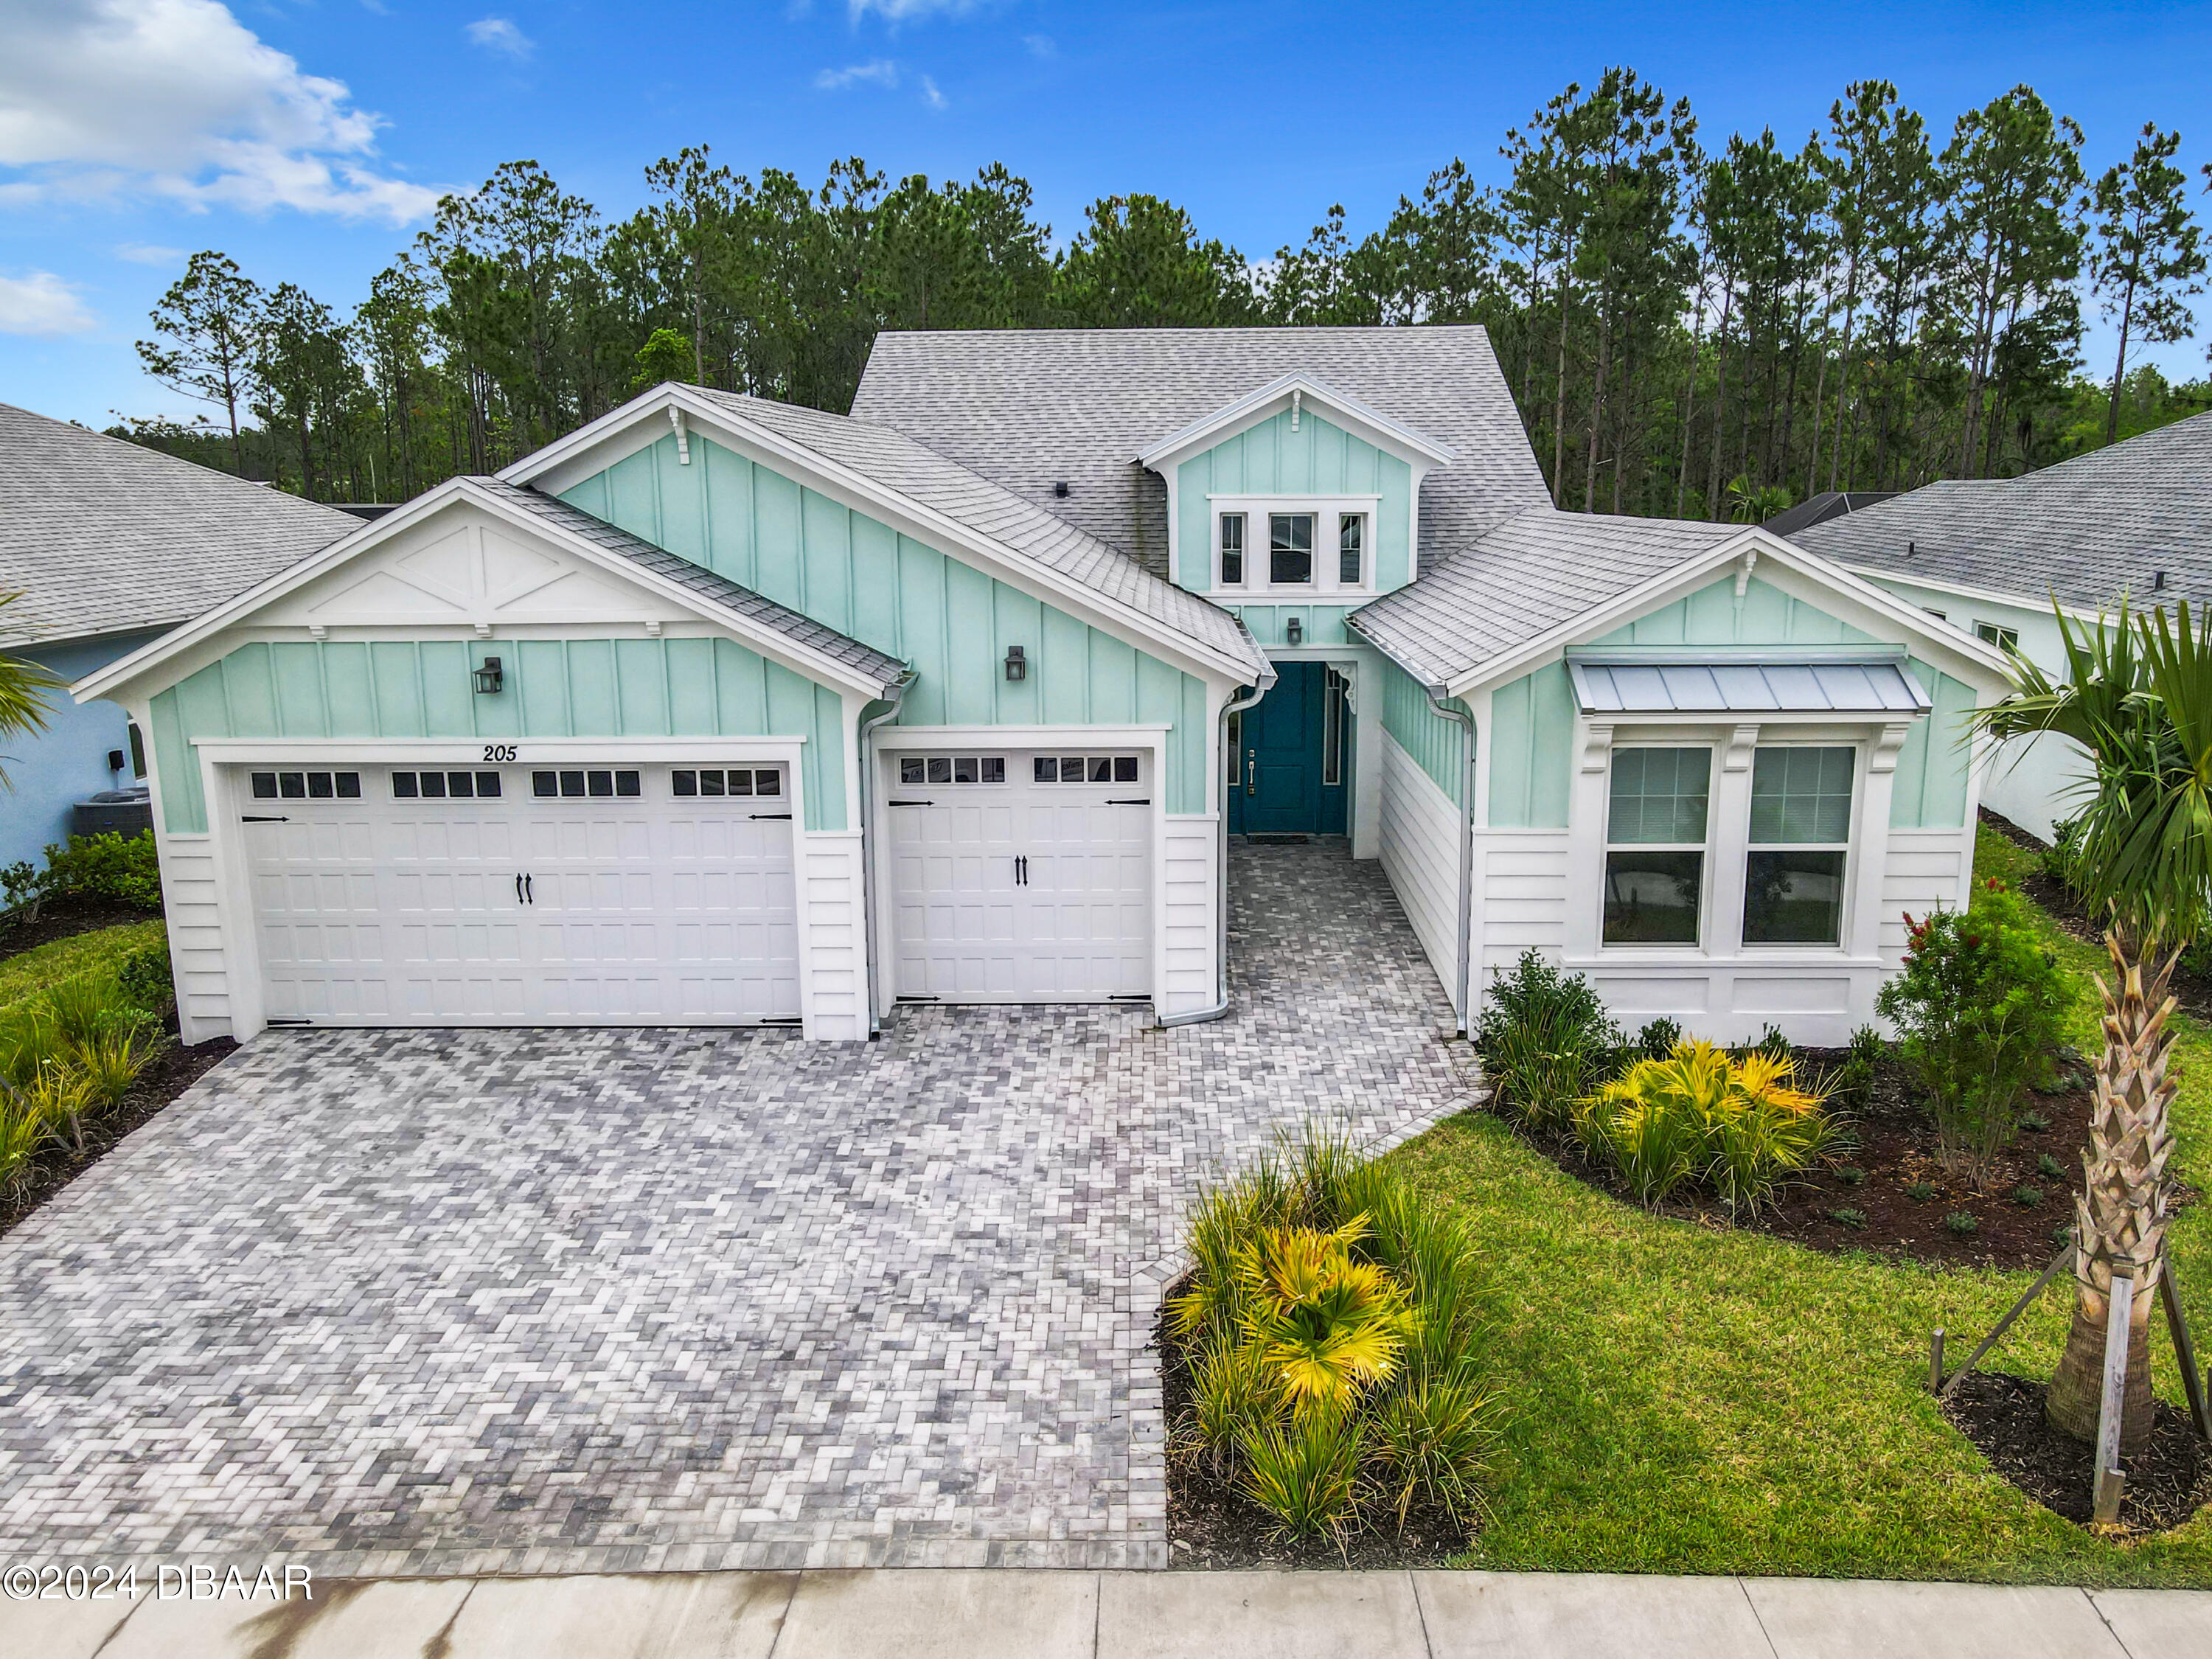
pixel 1121 1615
pixel 532 1302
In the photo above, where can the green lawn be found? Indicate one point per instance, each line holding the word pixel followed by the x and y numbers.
pixel 1687 1399
pixel 103 947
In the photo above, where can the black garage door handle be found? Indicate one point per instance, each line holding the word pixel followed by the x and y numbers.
pixel 249 819
pixel 784 817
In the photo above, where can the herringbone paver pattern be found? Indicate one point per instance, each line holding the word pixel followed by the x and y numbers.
pixel 509 1301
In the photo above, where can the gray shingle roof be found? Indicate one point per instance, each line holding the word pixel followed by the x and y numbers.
pixel 800 630
pixel 1028 408
pixel 1528 575
pixel 931 480
pixel 105 537
pixel 2087 529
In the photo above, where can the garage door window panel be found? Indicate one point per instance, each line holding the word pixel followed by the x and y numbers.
pixel 1655 833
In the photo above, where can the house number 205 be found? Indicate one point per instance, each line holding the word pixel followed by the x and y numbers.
pixel 499 751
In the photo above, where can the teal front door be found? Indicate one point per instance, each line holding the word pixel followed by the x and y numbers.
pixel 1291 759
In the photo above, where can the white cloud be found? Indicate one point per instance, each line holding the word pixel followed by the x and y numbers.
pixel 907 11
pixel 41 303
pixel 499 34
pixel 1041 46
pixel 146 253
pixel 930 95
pixel 176 98
pixel 877 71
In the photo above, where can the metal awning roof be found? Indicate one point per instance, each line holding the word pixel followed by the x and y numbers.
pixel 1875 687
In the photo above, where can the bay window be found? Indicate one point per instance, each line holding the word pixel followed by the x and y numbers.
pixel 1800 836
pixel 1654 858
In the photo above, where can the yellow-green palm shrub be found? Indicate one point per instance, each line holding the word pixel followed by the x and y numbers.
pixel 1702 1116
pixel 1329 1334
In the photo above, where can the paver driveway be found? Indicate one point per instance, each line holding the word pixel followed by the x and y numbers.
pixel 534 1302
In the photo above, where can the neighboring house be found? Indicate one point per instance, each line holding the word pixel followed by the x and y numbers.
pixel 1992 556
pixel 724 711
pixel 111 543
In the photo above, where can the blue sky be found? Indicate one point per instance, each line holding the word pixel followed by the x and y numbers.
pixel 307 139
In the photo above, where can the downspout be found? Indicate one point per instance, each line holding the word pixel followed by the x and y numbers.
pixel 897 690
pixel 1235 705
pixel 1463 970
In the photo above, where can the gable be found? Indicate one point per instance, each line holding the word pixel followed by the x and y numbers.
pixel 463 566
pixel 949 620
pixel 1319 459
pixel 1714 616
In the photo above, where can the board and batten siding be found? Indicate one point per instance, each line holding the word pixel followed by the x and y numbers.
pixel 950 622
pixel 1533 718
pixel 1423 788
pixel 592 688
pixel 1319 459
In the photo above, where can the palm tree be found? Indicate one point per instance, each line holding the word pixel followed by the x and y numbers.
pixel 23 685
pixel 2138 699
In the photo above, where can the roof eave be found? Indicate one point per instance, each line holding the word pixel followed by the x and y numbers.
pixel 1395 435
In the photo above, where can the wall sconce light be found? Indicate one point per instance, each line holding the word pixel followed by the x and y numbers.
pixel 1017 665
pixel 489 678
pixel 1294 630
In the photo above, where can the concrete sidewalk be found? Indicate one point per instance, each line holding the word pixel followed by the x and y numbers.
pixel 951 1614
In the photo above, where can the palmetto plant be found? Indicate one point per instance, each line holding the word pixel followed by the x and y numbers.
pixel 1741 1126
pixel 23 686
pixel 2138 699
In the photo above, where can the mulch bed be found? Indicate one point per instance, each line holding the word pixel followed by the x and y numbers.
pixel 175 1070
pixel 2003 1417
pixel 1212 1525
pixel 1890 1145
pixel 2192 993
pixel 63 918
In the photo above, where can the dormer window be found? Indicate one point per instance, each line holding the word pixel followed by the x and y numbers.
pixel 1315 546
pixel 1290 548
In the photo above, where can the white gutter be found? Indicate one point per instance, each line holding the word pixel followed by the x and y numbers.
pixel 898 689
pixel 1235 705
pixel 1462 970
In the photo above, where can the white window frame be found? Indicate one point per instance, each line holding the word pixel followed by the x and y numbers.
pixel 1327 512
pixel 1849 847
pixel 1607 846
pixel 1728 836
pixel 2003 635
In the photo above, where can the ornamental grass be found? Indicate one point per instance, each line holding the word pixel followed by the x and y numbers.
pixel 1329 1332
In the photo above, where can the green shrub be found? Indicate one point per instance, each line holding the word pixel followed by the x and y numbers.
pixel 1657 1039
pixel 1304 1472
pixel 2058 861
pixel 2050 1167
pixel 1328 1329
pixel 2034 1122
pixel 107 869
pixel 1771 1043
pixel 24 1132
pixel 2027 1197
pixel 1962 1223
pixel 145 980
pixel 1545 1040
pixel 1980 1004
pixel 1920 1191
pixel 1854 1219
pixel 1740 1126
pixel 1853 1087
pixel 1850 1175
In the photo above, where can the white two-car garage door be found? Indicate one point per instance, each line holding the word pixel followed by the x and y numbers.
pixel 499 896
pixel 1020 877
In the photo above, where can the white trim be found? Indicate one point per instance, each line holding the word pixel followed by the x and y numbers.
pixel 1394 437
pixel 568 460
pixel 801 659
pixel 1876 573
pixel 1326 551
pixel 1983 663
pixel 385 752
pixel 890 740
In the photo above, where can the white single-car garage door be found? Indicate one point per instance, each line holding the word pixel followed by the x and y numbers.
pixel 522 895
pixel 1020 875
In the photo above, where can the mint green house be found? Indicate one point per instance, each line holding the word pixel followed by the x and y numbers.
pixel 723 711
